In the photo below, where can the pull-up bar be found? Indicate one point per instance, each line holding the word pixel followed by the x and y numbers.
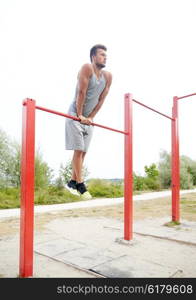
pixel 186 96
pixel 77 119
pixel 148 107
pixel 28 172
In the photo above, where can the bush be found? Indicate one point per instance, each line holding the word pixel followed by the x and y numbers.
pixel 105 188
pixel 151 184
pixel 139 183
pixel 54 195
pixel 9 198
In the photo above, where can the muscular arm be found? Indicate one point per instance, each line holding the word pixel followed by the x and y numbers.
pixel 102 96
pixel 83 80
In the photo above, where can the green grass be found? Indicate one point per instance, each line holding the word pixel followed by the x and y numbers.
pixel 10 197
pixel 172 224
pixel 102 188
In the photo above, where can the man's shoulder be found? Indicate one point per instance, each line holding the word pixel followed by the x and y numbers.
pixel 85 70
pixel 87 67
pixel 108 75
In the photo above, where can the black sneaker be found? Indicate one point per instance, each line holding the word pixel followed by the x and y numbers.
pixel 71 186
pixel 81 188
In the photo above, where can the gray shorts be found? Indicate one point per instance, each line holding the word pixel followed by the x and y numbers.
pixel 77 135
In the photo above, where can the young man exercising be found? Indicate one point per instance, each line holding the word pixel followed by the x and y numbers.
pixel 92 88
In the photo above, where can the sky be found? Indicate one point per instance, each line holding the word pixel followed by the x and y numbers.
pixel 151 54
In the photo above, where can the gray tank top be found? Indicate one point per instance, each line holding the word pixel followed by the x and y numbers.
pixel 94 90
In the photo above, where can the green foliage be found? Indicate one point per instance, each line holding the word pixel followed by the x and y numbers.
pixel 148 182
pixel 139 183
pixel 165 169
pixel 46 193
pixel 6 159
pixel 151 171
pixel 152 184
pixel 43 173
pixel 152 177
pixel 65 173
pixel 187 171
pixel 105 188
pixel 9 198
pixel 10 158
pixel 54 195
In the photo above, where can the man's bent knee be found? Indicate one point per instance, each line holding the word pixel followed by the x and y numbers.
pixel 79 152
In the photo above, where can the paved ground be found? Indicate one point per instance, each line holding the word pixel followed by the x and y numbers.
pixel 94 247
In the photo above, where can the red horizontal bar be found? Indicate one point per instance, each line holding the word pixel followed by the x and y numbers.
pixel 194 94
pixel 77 119
pixel 158 112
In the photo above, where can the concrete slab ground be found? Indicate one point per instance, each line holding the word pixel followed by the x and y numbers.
pixel 96 245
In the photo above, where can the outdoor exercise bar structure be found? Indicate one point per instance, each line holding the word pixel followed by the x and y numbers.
pixel 27 172
pixel 175 156
pixel 27 178
pixel 175 159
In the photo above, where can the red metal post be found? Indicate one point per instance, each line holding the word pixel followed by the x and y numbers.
pixel 27 189
pixel 175 163
pixel 128 170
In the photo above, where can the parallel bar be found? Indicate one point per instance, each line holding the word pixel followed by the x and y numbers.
pixel 27 189
pixel 128 170
pixel 190 95
pixel 77 119
pixel 158 112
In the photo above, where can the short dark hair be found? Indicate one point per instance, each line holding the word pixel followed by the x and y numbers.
pixel 93 50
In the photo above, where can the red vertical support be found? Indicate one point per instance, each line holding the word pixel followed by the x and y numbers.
pixel 175 163
pixel 128 170
pixel 27 189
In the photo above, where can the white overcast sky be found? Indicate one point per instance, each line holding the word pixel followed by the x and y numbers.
pixel 151 54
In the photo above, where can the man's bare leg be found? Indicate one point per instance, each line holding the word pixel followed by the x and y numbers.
pixel 77 164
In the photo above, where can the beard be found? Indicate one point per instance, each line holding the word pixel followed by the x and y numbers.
pixel 100 66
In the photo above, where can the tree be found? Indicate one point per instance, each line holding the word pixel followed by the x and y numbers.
pixel 65 173
pixel 6 159
pixel 151 171
pixel 15 167
pixel 139 183
pixel 151 179
pixel 10 164
pixel 43 173
pixel 164 168
pixel 187 171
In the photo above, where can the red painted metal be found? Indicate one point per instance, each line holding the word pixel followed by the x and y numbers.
pixel 176 159
pixel 27 173
pixel 77 119
pixel 186 96
pixel 148 107
pixel 27 182
pixel 27 189
pixel 175 163
pixel 128 170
